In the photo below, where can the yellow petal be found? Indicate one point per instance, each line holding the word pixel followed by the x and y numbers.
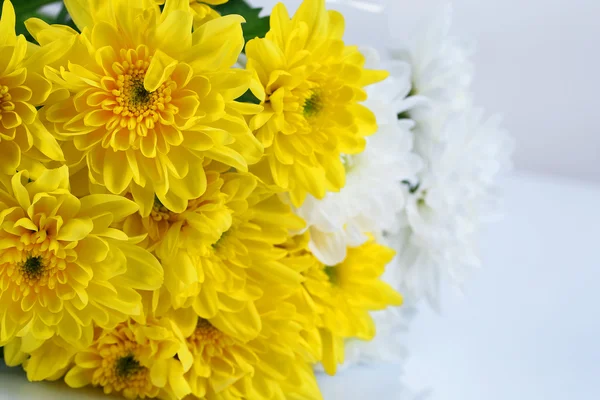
pixel 7 24
pixel 159 70
pixel 144 272
pixel 10 157
pixel 75 229
pixel 48 360
pixel 84 12
pixel 116 172
pixel 13 355
pixel 79 377
pixel 174 33
pixel 217 44
pixel 330 351
pixel 96 204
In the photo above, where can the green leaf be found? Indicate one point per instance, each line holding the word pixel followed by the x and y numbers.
pixel 248 97
pixel 25 9
pixel 255 25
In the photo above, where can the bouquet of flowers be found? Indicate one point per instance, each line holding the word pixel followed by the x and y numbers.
pixel 200 202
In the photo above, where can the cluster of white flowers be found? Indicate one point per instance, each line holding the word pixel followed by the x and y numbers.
pixel 462 151
pixel 425 183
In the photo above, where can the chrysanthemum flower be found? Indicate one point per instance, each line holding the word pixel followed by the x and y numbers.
pixel 62 267
pixel 135 360
pixel 219 361
pixel 220 254
pixel 148 99
pixel 22 89
pixel 271 366
pixel 202 10
pixel 310 85
pixel 342 295
pixel 464 152
pixel 373 196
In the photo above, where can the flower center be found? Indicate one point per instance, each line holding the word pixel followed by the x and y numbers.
pixel 161 213
pixel 133 97
pixel 36 267
pixel 120 369
pixel 313 105
pixel 127 366
pixel 33 268
pixel 134 107
pixel 205 330
pixel 208 340
pixel 139 95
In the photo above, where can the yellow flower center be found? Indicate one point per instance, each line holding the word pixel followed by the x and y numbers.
pixel 161 213
pixel 127 366
pixel 33 268
pixel 134 104
pixel 120 370
pixel 207 341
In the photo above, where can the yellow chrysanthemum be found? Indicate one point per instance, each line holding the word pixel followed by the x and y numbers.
pixel 310 84
pixel 271 366
pixel 220 254
pixel 62 266
pixel 143 100
pixel 136 360
pixel 202 10
pixel 200 225
pixel 342 295
pixel 22 89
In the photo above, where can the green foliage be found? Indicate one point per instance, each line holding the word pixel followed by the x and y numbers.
pixel 25 9
pixel 248 97
pixel 255 25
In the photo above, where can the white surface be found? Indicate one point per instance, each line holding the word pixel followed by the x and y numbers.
pixel 536 63
pixel 527 327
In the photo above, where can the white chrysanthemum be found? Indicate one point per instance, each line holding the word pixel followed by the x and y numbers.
pixel 454 194
pixel 463 154
pixel 441 69
pixel 372 197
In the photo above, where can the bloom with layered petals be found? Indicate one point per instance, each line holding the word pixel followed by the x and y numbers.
pixel 221 254
pixel 143 99
pixel 270 366
pixel 62 267
pixel 135 360
pixel 343 295
pixel 463 152
pixel 310 84
pixel 22 89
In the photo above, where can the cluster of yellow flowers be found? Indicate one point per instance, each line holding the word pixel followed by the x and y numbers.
pixel 148 243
